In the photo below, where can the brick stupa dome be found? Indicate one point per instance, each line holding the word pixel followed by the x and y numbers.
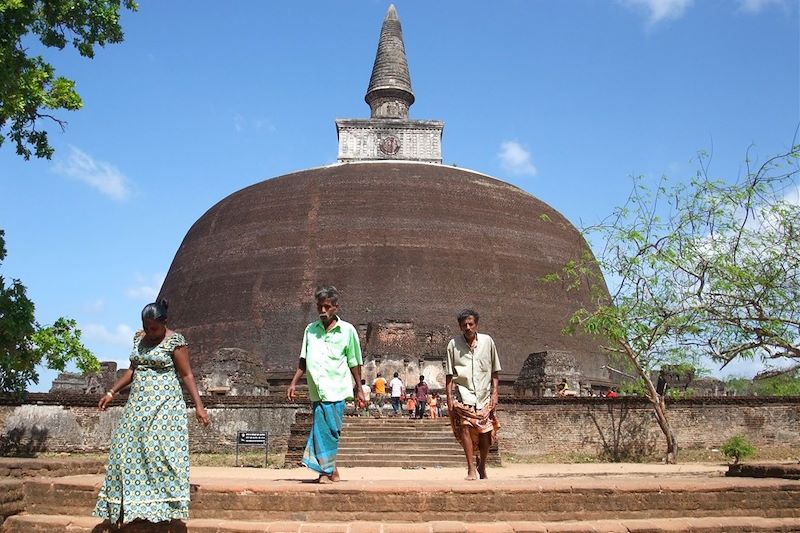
pixel 408 241
pixel 407 244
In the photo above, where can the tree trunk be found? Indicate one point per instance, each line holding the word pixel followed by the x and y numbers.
pixel 659 407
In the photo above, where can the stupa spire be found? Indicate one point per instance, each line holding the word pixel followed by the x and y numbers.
pixel 389 93
pixel 389 134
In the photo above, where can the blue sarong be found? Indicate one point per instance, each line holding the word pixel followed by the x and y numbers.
pixel 323 442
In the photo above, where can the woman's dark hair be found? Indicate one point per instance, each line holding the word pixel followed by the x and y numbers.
pixel 156 311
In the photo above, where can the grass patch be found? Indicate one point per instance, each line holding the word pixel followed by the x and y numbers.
pixel 554 458
pixel 250 459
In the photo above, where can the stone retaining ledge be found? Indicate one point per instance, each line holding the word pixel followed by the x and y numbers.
pixel 20 467
pixel 786 471
pixel 720 524
pixel 546 499
pixel 11 498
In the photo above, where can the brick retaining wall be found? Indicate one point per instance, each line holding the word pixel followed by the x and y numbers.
pixel 72 423
pixel 627 427
pixel 534 427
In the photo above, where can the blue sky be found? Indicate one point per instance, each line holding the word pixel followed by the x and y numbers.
pixel 566 100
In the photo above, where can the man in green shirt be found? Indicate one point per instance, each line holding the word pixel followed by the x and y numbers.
pixel 331 356
pixel 471 384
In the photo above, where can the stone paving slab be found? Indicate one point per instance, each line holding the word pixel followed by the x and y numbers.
pixel 516 478
pixel 74 524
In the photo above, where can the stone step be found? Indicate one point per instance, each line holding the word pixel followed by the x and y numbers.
pixel 422 453
pixel 348 434
pixel 714 524
pixel 348 447
pixel 55 467
pixel 430 498
pixel 410 463
pixel 403 430
pixel 396 421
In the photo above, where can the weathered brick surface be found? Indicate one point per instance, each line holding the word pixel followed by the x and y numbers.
pixel 593 425
pixel 65 423
pixel 720 524
pixel 366 527
pixel 11 498
pixel 284 527
pixel 432 503
pixel 765 470
pixel 22 467
pixel 406 528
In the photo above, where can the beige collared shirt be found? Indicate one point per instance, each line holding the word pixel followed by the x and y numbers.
pixel 472 369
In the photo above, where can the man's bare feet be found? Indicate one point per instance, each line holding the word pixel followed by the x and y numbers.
pixel 482 472
pixel 472 475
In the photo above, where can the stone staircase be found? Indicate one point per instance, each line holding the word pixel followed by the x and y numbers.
pixel 401 442
pixel 391 441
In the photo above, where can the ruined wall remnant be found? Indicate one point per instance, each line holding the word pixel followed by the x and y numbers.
pixel 543 371
pixel 233 372
pixel 75 382
pixel 402 346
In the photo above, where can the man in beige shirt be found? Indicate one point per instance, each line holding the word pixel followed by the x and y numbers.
pixel 472 390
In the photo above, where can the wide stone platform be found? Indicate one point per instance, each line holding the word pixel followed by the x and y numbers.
pixel 517 498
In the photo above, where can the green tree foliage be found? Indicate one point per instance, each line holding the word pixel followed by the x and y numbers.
pixel 741 386
pixel 704 268
pixel 24 344
pixel 774 383
pixel 737 448
pixel 29 87
pixel 781 385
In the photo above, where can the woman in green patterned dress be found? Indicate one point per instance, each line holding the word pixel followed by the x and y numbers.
pixel 147 477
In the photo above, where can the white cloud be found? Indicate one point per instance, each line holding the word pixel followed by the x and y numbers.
pixel 242 123
pixel 122 334
pixel 516 159
pixel 757 6
pixel 103 176
pixel 239 122
pixel 147 287
pixel 97 306
pixel 659 10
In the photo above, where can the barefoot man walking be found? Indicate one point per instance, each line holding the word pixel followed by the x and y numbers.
pixel 331 354
pixel 471 385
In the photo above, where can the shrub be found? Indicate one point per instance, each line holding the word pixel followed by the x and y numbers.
pixel 737 448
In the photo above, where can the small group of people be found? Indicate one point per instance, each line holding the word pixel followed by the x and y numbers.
pixel 147 475
pixel 563 390
pixel 416 404
pixel 379 387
